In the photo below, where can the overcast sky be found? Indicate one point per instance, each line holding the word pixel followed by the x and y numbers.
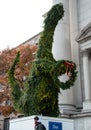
pixel 20 20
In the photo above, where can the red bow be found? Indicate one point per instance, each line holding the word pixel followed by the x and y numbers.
pixel 69 66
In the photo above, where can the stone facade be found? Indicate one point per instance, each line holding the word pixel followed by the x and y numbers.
pixel 73 41
pixel 65 47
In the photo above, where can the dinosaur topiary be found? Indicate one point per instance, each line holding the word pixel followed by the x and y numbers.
pixel 40 93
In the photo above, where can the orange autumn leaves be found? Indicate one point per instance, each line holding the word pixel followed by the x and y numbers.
pixel 27 55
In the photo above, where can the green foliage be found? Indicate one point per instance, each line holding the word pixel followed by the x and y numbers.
pixel 46 40
pixel 40 95
pixel 53 16
pixel 16 93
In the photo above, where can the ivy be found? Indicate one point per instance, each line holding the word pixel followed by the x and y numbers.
pixel 40 95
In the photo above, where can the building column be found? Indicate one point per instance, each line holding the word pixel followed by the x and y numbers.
pixel 87 90
pixel 75 51
pixel 62 50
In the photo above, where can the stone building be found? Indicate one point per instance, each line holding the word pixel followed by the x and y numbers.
pixel 72 41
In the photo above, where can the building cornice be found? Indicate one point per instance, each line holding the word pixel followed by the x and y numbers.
pixel 85 34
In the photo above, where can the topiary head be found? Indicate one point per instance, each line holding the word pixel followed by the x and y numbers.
pixel 53 16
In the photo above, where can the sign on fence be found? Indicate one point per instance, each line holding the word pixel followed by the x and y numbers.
pixel 55 126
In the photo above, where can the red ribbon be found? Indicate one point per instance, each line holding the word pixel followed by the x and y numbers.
pixel 69 66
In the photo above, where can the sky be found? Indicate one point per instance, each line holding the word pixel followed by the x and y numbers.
pixel 20 20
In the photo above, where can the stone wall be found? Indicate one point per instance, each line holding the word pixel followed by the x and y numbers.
pixel 84 13
pixel 83 123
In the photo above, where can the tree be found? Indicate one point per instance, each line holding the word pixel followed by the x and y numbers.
pixel 40 94
pixel 21 72
pixel 23 68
